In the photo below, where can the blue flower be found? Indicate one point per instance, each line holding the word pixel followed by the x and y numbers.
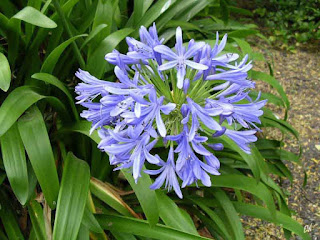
pixel 167 173
pixel 145 49
pixel 245 114
pixel 131 149
pixel 179 59
pixel 188 166
pixel 242 138
pixel 144 106
pixel 197 112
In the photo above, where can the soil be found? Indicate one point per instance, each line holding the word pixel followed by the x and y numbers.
pixel 299 75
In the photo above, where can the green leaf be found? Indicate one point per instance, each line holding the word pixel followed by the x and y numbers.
pixel 281 219
pixel 48 78
pixel 184 25
pixel 90 221
pixel 96 62
pixel 273 82
pixel 5 73
pixel 37 144
pixel 155 11
pixel 36 215
pixel 147 197
pixel 172 216
pixel 221 225
pixel 72 198
pixel 122 236
pixel 230 212
pixel 248 158
pixel 8 218
pixel 106 194
pixel 84 233
pixel 54 56
pixel 142 228
pixel 14 160
pixel 93 34
pixel 35 17
pixel 247 184
pixel 19 100
pixel 82 127
pixel 245 47
pixel 176 8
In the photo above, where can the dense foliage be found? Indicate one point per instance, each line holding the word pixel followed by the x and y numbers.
pixel 54 181
pixel 290 22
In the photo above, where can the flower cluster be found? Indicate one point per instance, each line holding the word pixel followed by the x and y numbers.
pixel 171 99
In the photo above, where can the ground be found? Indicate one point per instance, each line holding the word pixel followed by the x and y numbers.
pixel 299 75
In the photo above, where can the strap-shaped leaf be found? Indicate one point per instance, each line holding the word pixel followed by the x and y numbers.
pixel 106 194
pixel 93 34
pixel 247 184
pixel 37 144
pixel 96 62
pixel 14 161
pixel 36 215
pixel 90 221
pixel 8 219
pixel 15 104
pixel 5 73
pixel 53 57
pixel 147 197
pixel 19 100
pixel 82 127
pixel 281 219
pixel 142 228
pixel 48 78
pixel 220 225
pixel 172 215
pixel 230 212
pixel 35 17
pixel 72 198
pixel 273 82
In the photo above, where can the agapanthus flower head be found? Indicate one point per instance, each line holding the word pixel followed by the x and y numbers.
pixel 166 104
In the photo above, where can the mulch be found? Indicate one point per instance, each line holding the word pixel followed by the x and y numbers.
pixel 299 74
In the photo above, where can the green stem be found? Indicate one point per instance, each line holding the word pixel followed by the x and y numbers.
pixel 67 28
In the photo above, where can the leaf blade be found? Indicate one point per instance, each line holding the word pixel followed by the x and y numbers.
pixel 32 126
pixel 35 17
pixel 5 73
pixel 72 198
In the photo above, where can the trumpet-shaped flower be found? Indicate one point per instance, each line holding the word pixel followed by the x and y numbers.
pixel 178 98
